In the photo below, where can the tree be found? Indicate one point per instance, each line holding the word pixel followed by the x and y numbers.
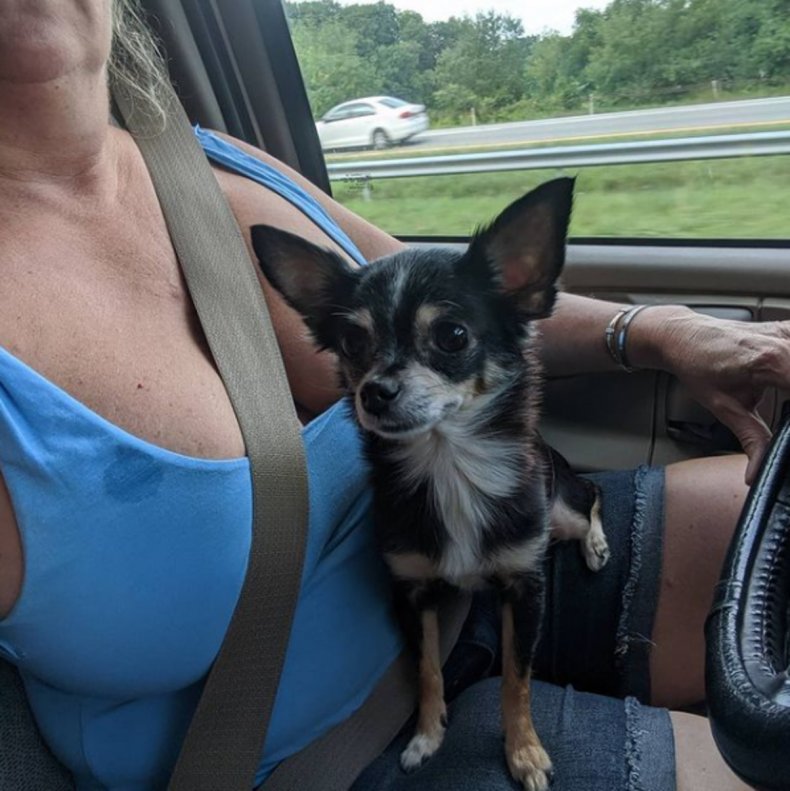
pixel 375 26
pixel 313 13
pixel 483 67
pixel 358 50
pixel 632 52
pixel 332 70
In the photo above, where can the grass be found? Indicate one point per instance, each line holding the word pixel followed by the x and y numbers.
pixel 734 198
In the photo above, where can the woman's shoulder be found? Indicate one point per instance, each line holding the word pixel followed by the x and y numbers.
pixel 371 241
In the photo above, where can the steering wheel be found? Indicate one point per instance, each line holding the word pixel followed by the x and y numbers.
pixel 748 631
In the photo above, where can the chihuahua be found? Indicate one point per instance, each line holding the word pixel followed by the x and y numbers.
pixel 439 352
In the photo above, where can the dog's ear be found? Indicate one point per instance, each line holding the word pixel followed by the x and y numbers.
pixel 523 249
pixel 315 281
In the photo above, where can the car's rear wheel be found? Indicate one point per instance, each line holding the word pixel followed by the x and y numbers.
pixel 380 140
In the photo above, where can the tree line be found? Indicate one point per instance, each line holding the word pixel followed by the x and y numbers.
pixel 632 53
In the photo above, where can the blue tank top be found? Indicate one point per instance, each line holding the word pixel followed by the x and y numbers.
pixel 134 559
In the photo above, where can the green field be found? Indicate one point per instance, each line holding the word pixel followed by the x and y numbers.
pixel 730 198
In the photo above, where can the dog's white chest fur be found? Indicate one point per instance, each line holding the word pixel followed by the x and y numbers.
pixel 464 471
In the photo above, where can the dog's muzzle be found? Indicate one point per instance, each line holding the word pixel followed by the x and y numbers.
pixel 378 395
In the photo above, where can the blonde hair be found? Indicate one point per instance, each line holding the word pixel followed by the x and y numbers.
pixel 136 64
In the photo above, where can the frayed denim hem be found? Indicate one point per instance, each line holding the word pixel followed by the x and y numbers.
pixel 648 768
pixel 640 593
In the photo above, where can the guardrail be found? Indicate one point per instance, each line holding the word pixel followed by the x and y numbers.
pixel 672 150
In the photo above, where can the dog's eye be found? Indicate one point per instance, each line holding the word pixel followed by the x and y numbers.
pixel 450 337
pixel 355 342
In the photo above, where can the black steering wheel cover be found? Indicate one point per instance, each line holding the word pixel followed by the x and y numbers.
pixel 747 632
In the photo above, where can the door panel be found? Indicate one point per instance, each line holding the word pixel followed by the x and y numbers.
pixel 739 284
pixel 726 273
pixel 601 421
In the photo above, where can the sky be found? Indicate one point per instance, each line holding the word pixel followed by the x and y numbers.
pixel 536 15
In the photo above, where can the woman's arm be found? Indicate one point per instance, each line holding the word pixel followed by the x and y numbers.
pixel 573 336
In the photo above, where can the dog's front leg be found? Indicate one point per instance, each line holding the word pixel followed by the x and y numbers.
pixel 432 718
pixel 521 616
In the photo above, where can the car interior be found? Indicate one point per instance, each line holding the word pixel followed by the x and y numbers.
pixel 235 70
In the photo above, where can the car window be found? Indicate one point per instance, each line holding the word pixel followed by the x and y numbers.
pixel 388 101
pixel 361 110
pixel 673 116
pixel 338 113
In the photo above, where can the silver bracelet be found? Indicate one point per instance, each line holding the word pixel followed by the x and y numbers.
pixel 622 337
pixel 616 335
pixel 611 333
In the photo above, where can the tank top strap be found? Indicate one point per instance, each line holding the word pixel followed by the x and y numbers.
pixel 223 153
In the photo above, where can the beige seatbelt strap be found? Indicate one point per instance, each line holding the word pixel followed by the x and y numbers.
pixel 224 744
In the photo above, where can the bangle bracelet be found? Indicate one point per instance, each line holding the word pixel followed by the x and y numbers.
pixel 622 337
pixel 610 334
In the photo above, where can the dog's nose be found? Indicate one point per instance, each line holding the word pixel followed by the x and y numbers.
pixel 378 394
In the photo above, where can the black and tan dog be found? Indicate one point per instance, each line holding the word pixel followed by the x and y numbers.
pixel 439 351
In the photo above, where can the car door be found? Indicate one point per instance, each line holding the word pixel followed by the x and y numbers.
pixel 364 122
pixel 335 127
pixel 675 203
pixel 349 125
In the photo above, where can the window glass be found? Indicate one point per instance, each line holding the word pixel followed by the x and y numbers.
pixel 674 115
pixel 362 110
pixel 388 101
pixel 337 113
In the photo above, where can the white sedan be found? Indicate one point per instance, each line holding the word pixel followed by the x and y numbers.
pixel 377 121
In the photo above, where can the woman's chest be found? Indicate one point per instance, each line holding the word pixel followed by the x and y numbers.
pixel 108 319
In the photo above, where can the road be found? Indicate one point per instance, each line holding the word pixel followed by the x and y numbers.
pixel 714 118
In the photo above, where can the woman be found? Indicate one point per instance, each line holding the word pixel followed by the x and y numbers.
pixel 124 505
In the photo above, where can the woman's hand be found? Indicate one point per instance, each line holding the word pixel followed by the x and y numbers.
pixel 727 366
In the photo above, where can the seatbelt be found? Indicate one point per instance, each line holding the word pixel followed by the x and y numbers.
pixel 224 743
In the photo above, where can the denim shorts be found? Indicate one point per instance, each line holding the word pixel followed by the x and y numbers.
pixel 592 662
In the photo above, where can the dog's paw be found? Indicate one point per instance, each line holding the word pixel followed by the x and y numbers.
pixel 595 549
pixel 420 749
pixel 594 546
pixel 530 765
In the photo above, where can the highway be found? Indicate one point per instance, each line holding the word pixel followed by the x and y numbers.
pixel 709 118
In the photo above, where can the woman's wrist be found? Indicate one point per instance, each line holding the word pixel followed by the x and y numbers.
pixel 652 335
pixel 575 337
